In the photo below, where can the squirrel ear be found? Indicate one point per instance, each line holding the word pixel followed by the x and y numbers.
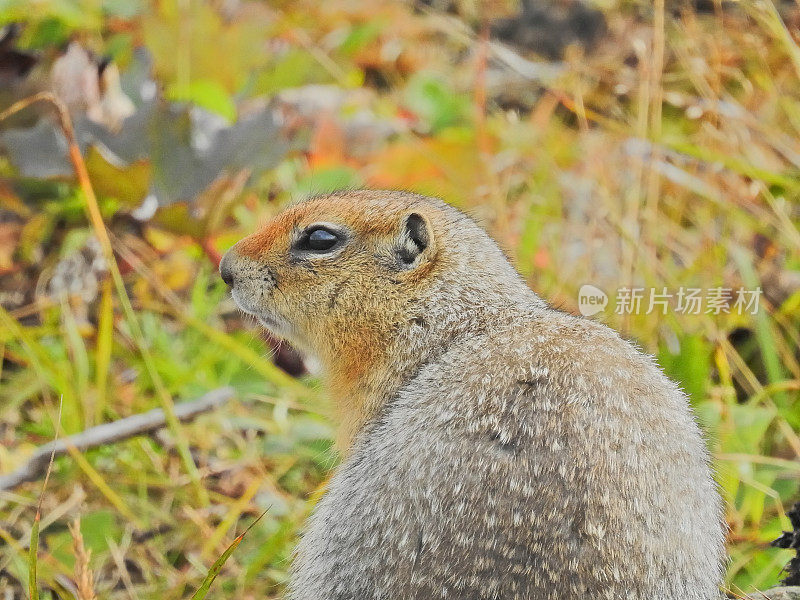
pixel 415 238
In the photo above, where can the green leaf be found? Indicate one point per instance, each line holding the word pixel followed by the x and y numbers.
pixel 128 184
pixel 359 36
pixel 435 103
pixel 294 68
pixel 97 528
pixel 207 94
pixel 690 366
pixel 49 32
pixel 750 428
pixel 325 181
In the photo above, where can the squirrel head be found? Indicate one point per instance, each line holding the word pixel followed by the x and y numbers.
pixel 370 283
pixel 335 273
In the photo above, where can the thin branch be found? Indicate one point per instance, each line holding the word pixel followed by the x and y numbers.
pixel 109 433
pixel 48 97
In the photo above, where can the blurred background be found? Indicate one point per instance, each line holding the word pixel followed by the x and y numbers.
pixel 613 144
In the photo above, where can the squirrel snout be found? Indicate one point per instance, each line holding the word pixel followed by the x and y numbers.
pixel 226 268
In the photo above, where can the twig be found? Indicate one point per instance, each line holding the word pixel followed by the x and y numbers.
pixel 544 73
pixel 26 102
pixel 108 433
pixel 540 72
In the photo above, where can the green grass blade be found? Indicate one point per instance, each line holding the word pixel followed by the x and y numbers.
pixel 216 568
pixel 33 552
pixel 33 590
pixel 105 342
pixel 220 562
pixel 765 336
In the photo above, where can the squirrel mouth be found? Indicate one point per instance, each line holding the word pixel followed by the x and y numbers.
pixel 269 322
pixel 242 305
pixel 273 323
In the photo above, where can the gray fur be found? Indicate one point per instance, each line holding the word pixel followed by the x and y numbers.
pixel 519 453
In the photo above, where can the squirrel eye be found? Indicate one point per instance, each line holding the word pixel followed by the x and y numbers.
pixel 319 240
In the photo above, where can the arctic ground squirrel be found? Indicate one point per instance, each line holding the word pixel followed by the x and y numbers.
pixel 494 447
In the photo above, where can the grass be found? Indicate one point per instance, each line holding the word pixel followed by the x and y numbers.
pixel 665 158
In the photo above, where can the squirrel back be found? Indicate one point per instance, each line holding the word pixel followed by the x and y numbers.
pixel 496 448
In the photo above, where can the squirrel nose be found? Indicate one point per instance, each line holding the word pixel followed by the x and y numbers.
pixel 226 269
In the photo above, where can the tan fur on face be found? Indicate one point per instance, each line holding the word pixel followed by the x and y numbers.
pixel 346 309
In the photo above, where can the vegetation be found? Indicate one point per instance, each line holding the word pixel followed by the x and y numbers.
pixel 664 156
